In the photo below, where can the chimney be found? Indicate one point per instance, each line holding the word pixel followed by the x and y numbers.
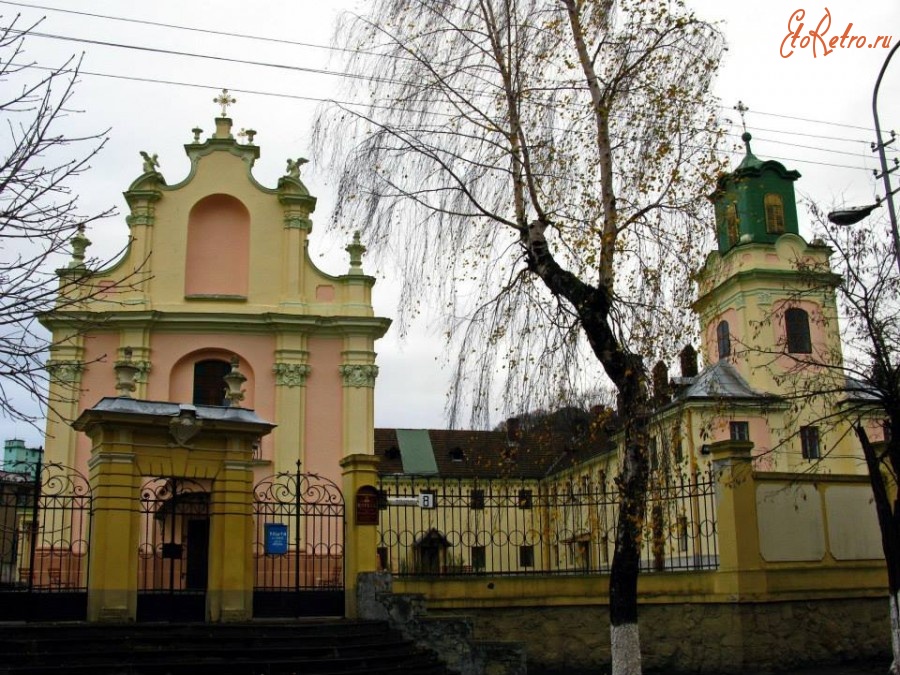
pixel 688 359
pixel 513 431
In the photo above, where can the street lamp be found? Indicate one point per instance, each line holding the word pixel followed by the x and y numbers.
pixel 854 215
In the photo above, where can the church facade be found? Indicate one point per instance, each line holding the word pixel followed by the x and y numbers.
pixel 217 271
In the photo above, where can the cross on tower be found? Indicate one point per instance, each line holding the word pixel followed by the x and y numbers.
pixel 224 100
pixel 741 108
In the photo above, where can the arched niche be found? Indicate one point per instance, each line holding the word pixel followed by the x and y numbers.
pixel 217 263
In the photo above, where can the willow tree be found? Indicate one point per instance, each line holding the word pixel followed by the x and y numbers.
pixel 538 168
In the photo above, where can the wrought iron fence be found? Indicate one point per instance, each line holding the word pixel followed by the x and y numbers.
pixel 445 526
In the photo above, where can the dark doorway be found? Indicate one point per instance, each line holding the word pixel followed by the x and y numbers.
pixel 197 554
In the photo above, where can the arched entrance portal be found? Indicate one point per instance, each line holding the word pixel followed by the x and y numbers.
pixel 173 555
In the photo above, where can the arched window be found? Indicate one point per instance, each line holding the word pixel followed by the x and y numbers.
pixel 774 214
pixel 209 385
pixel 731 224
pixel 796 326
pixel 723 339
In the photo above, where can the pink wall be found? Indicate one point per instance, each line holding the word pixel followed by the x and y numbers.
pixel 174 355
pixel 324 403
pixel 218 247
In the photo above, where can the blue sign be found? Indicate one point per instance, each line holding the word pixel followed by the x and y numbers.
pixel 276 539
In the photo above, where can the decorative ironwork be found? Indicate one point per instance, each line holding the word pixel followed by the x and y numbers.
pixel 298 548
pixel 173 555
pixel 526 527
pixel 45 522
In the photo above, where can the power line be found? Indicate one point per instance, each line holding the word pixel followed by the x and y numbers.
pixel 311 45
pixel 315 99
pixel 193 29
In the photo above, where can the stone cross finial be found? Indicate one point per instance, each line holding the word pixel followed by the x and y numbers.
pixel 225 100
pixel 741 108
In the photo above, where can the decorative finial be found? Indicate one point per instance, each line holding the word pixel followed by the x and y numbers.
pixel 741 108
pixel 225 100
pixel 196 131
pixel 79 245
pixel 356 250
pixel 293 167
pixel 151 163
pixel 126 372
pixel 234 381
pixel 248 134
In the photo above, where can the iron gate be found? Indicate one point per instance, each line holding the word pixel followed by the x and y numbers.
pixel 45 524
pixel 298 548
pixel 173 557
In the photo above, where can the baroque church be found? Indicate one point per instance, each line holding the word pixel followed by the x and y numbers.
pixel 222 392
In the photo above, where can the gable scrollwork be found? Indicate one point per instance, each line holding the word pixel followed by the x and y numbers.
pixel 291 374
pixel 359 375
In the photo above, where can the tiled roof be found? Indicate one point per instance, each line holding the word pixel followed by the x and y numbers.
pixel 536 454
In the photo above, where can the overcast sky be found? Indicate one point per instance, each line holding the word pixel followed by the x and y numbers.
pixel 810 111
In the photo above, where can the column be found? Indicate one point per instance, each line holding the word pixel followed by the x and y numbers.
pixel 230 589
pixel 115 530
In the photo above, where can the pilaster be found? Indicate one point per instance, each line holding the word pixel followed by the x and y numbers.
pixel 360 472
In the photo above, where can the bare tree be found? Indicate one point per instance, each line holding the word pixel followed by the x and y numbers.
pixel 537 167
pixel 39 214
pixel 857 381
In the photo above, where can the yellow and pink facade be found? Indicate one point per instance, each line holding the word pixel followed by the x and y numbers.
pixel 217 267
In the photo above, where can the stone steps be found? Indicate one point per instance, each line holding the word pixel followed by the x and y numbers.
pixel 332 647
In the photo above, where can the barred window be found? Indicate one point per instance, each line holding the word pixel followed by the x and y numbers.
pixel 740 431
pixel 526 556
pixel 525 499
pixel 479 558
pixel 809 442
pixel 476 500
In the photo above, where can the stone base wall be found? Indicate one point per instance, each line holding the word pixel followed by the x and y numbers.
pixel 696 638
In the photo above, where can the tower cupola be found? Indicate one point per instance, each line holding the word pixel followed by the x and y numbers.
pixel 754 203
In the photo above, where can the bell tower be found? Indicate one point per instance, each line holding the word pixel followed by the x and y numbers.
pixel 766 297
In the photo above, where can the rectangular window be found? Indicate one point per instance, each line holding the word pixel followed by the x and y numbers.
pixel 654 455
pixel 383 564
pixel 809 442
pixel 679 451
pixel 526 556
pixel 525 499
pixel 682 533
pixel 476 500
pixel 740 431
pixel 479 558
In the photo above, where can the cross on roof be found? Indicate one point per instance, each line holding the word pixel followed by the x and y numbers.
pixel 741 108
pixel 224 100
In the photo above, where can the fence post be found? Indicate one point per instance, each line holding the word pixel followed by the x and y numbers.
pixel 740 564
pixel 361 540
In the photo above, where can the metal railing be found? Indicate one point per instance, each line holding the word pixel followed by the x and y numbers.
pixel 446 527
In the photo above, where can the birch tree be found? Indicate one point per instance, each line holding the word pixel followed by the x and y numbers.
pixel 536 169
